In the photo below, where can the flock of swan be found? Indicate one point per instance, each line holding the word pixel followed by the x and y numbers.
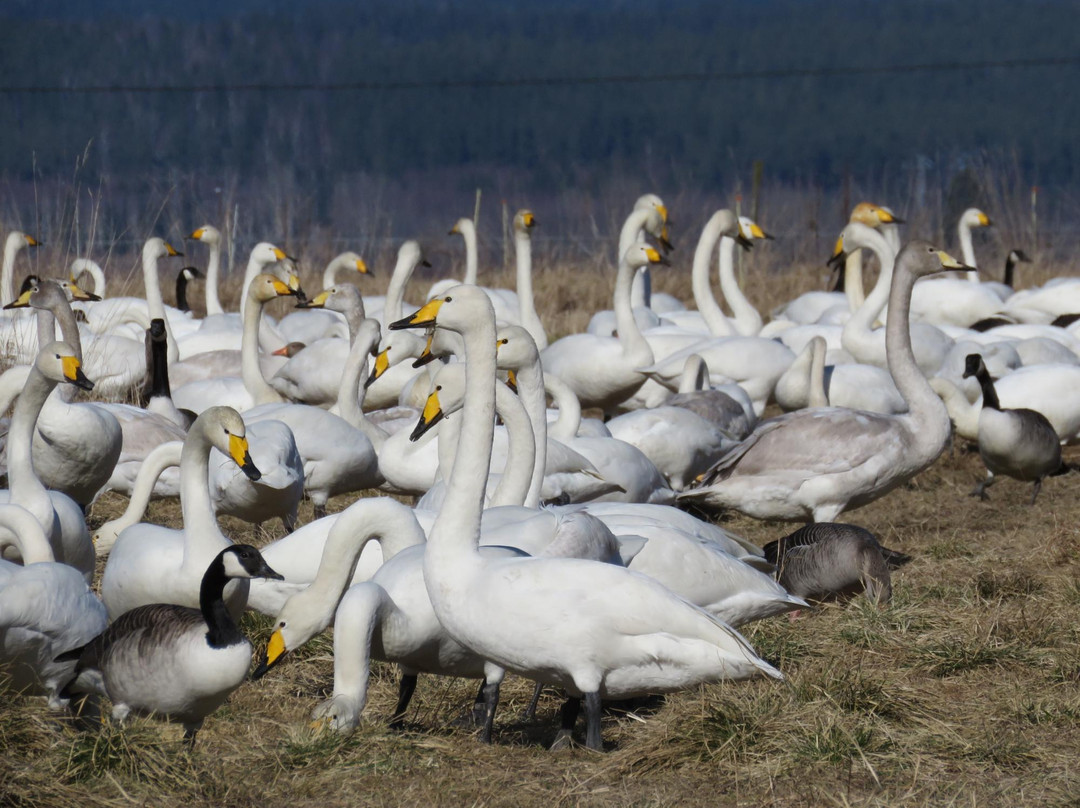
pixel 541 542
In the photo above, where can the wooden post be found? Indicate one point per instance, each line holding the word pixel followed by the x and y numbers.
pixel 755 190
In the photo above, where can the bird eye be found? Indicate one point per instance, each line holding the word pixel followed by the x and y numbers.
pixel 438 387
pixel 281 624
pixel 447 299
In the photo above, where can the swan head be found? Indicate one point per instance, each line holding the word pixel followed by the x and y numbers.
pixel 854 236
pixel 973 217
pixel 873 215
pixel 245 561
pixel 447 396
pixel 297 622
pixel 48 294
pixel 456 310
pixel 410 255
pixel 752 231
pixel 515 348
pixel 642 255
pixel 225 430
pixel 289 350
pixel 921 258
pixel 58 361
pixel 524 222
pixel 18 240
pixel 341 298
pixel 266 287
pixel 158 248
pixel 207 234
pixel 352 261
pixel 264 253
pixel 652 202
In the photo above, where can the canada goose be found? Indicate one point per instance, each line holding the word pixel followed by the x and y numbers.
pixel 544 617
pixel 814 464
pixel 830 560
pixel 175 662
pixel 183 278
pixel 45 609
pixel 60 517
pixel 1021 444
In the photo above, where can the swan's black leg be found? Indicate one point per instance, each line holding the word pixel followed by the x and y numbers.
pixel 568 715
pixel 530 711
pixel 491 702
pixel 318 511
pixel 1038 488
pixel 406 688
pixel 592 722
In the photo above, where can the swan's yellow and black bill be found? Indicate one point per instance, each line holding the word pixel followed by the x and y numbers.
pixel 197 234
pixel 275 652
pixel 79 294
pixel 283 289
pixel 362 267
pixel 316 302
pixel 948 262
pixel 22 301
pixel 655 257
pixel 382 364
pixel 171 250
pixel 432 414
pixel 32 242
pixel 665 243
pixel 421 318
pixel 887 217
pixel 511 380
pixel 238 451
pixel 279 254
pixel 426 356
pixel 662 210
pixel 528 220
pixel 984 220
pixel 73 373
pixel 838 255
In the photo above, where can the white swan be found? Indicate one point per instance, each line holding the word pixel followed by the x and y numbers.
pixel 815 464
pixel 210 235
pixel 251 388
pixel 60 517
pixel 153 564
pixel 561 621
pixel 852 385
pixel 604 371
pixel 15 243
pixel 504 300
pixel 311 323
pixel 45 609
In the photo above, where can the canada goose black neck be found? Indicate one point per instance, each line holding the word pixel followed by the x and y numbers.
pixel 157 347
pixel 181 289
pixel 989 394
pixel 222 629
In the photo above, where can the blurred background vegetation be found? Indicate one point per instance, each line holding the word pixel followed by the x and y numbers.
pixel 394 161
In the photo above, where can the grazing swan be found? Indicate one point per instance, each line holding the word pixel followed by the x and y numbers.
pixel 1021 444
pixel 153 564
pixel 60 517
pixel 45 609
pixel 604 371
pixel 251 389
pixel 814 464
pixel 831 560
pixel 175 662
pixel 76 445
pixel 556 620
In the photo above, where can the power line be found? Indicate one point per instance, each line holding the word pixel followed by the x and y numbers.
pixel 546 81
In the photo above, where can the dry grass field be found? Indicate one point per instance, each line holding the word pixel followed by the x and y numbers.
pixel 964 691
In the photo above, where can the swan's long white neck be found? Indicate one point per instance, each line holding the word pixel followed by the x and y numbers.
pixel 853 280
pixel 329 276
pixel 213 272
pixel 963 413
pixel 381 519
pixel 395 292
pixel 926 412
pixel 569 406
pixel 747 320
pixel 156 462
pixel 631 233
pixel 635 348
pixel 250 371
pixel 12 245
pixel 858 329
pixel 12 382
pixel 695 376
pixel 967 248
pixel 715 319
pixel 154 303
pixel 530 385
pixel 81 265
pixel 530 320
pixel 515 484
pixel 467 228
pixel 69 333
pixel 350 401
pixel 21 529
pixel 202 536
pixel 454 537
pixel 26 489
